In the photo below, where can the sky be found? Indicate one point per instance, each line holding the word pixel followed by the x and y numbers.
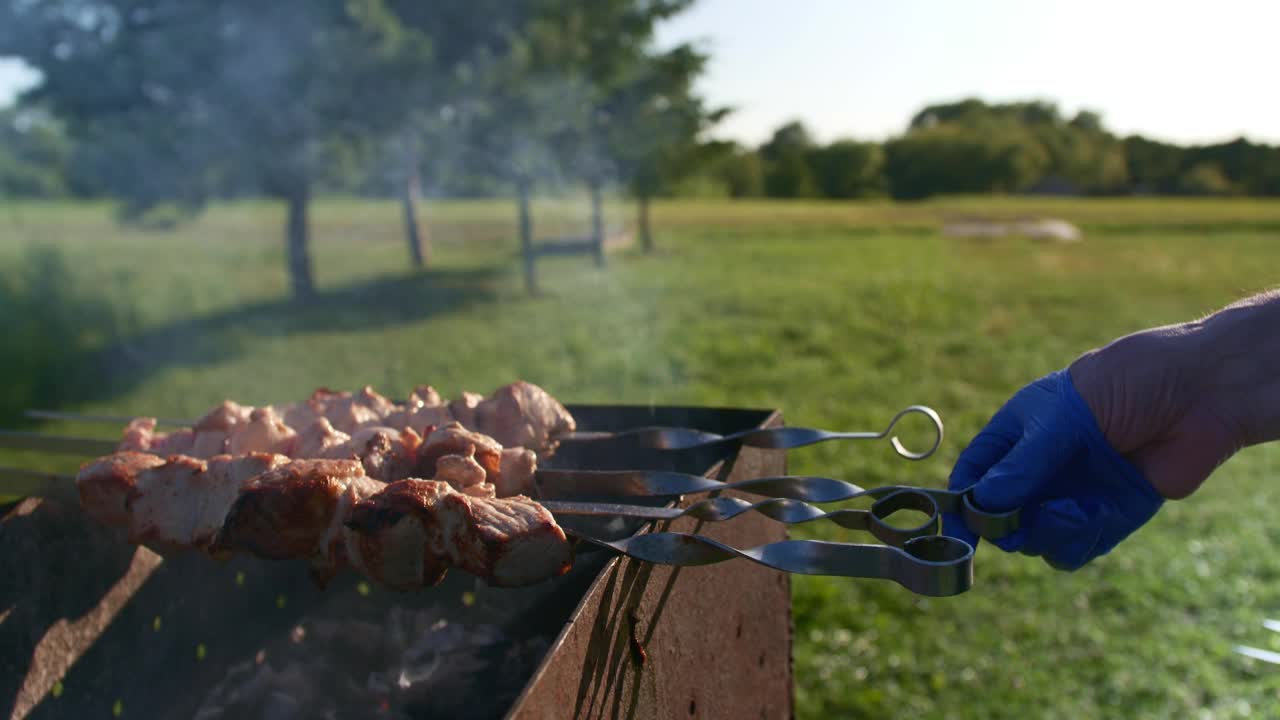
pixel 1172 70
pixel 1180 71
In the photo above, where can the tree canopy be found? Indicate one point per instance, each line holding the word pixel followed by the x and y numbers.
pixel 168 102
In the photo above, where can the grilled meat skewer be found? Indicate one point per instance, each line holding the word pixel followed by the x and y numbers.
pixel 330 424
pixel 330 513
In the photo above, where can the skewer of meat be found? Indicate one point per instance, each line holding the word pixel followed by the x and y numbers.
pixel 404 535
pixel 385 453
pixel 340 424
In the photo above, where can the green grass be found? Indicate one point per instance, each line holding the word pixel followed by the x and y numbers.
pixel 840 314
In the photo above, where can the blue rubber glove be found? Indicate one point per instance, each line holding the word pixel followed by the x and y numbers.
pixel 1044 453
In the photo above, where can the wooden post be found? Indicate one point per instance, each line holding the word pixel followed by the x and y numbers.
pixel 646 237
pixel 297 246
pixel 419 243
pixel 526 236
pixel 597 222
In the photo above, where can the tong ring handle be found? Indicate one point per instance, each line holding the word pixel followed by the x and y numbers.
pixel 988 525
pixel 908 499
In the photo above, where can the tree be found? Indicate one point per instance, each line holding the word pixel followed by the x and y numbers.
pixel 565 91
pixel 178 102
pixel 642 120
pixel 951 159
pixel 848 169
pixel 35 155
pixel 740 169
pixel 1153 167
pixel 786 165
pixel 654 123
pixel 454 41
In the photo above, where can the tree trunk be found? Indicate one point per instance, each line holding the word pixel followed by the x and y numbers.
pixel 419 241
pixel 597 222
pixel 297 244
pixel 646 237
pixel 526 237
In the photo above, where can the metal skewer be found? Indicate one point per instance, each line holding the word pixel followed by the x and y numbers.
pixel 20 482
pixel 666 438
pixel 660 438
pixel 603 484
pixel 60 444
pixel 937 566
pixel 791 512
pixel 88 418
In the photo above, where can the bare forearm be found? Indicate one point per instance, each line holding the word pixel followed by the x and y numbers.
pixel 1179 400
pixel 1241 364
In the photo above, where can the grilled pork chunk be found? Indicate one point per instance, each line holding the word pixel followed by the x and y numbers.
pixel 330 513
pixel 508 541
pixel 106 483
pixel 182 504
pixel 214 429
pixel 453 439
pixel 265 432
pixel 321 440
pixel 348 412
pixel 296 512
pixel 387 438
pixel 387 454
pixel 523 415
pixel 516 472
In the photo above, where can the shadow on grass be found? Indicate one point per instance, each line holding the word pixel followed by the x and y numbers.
pixel 63 345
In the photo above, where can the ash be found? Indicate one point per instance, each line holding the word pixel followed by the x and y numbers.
pixel 415 663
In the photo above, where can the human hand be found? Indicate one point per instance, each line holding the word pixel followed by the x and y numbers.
pixel 1088 454
pixel 1044 453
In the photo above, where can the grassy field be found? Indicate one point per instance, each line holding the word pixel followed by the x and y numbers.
pixel 840 314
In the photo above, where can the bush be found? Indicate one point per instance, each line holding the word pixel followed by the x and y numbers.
pixel 53 325
pixel 1204 179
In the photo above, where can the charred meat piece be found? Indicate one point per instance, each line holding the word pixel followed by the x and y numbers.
pixel 106 483
pixel 182 503
pixel 386 453
pixel 523 415
pixel 294 511
pixel 508 541
pixel 392 544
pixel 330 513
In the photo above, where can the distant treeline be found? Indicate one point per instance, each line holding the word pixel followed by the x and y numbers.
pixel 963 147
pixel 975 147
